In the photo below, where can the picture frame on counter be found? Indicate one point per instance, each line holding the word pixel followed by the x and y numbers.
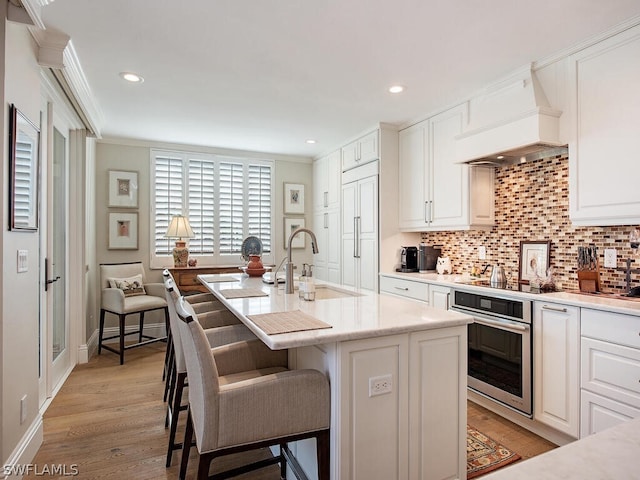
pixel 123 189
pixel 534 260
pixel 290 225
pixel 293 198
pixel 24 171
pixel 123 231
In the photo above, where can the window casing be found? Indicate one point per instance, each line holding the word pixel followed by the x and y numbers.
pixel 225 198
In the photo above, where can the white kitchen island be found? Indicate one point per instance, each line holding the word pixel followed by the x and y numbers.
pixel 398 377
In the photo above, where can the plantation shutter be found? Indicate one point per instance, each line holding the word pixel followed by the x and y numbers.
pixel 24 206
pixel 201 206
pixel 168 198
pixel 259 204
pixel 231 207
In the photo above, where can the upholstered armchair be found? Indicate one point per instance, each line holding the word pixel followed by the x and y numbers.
pixel 125 292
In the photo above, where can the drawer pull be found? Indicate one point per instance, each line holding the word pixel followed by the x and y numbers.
pixel 555 309
pixel 406 289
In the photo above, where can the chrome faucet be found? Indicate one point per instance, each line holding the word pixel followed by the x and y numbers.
pixel 288 268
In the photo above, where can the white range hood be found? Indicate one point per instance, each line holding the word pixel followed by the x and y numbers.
pixel 510 121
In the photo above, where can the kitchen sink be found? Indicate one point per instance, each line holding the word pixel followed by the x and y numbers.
pixel 324 292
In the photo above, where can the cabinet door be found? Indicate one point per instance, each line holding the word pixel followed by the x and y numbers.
pixel 439 297
pixel 413 188
pixel 556 337
pixel 320 270
pixel 368 146
pixel 348 250
pixel 449 181
pixel 320 183
pixel 349 156
pixel 333 184
pixel 603 166
pixel 598 413
pixel 482 196
pixel 367 234
pixel 332 242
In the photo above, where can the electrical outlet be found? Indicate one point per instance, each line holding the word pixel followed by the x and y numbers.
pixel 610 258
pixel 380 385
pixel 482 252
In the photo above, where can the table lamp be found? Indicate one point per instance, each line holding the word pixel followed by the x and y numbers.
pixel 179 228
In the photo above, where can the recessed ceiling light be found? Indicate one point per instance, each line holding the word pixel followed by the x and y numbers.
pixel 132 77
pixel 396 89
pixel 310 141
pixel 500 157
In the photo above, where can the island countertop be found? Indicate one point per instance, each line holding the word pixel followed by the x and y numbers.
pixel 352 314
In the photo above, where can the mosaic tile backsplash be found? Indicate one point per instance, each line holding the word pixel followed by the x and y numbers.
pixel 532 203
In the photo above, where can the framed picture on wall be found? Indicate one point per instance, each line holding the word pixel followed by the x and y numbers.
pixel 293 198
pixel 123 189
pixel 534 260
pixel 123 231
pixel 291 225
pixel 24 171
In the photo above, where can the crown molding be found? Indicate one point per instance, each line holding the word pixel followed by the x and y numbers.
pixel 34 10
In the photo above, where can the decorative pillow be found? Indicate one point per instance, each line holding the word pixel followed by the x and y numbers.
pixel 130 286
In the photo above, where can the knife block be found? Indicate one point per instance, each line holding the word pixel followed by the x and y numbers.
pixel 589 280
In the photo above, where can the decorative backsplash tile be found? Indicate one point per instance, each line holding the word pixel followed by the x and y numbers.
pixel 532 203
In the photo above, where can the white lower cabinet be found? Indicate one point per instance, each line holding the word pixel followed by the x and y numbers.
pixel 556 387
pixel 404 288
pixel 416 428
pixel 610 378
pixel 439 296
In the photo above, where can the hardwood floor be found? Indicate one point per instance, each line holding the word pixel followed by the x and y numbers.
pixel 108 422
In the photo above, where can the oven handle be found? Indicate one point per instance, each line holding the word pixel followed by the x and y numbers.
pixel 502 324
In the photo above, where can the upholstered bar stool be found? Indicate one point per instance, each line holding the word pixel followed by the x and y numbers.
pixel 242 397
pixel 124 293
pixel 221 329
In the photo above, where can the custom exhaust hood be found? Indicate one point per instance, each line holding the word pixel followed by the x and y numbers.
pixel 510 122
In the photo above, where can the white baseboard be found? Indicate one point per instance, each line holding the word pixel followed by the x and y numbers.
pixel 20 459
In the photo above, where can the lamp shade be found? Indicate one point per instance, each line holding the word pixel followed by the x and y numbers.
pixel 179 228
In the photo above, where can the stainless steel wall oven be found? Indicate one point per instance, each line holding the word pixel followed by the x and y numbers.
pixel 500 343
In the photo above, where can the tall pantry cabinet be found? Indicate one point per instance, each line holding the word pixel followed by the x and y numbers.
pixel 326 216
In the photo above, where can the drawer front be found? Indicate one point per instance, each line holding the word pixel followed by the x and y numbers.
pixel 611 327
pixel 189 279
pixel 405 288
pixel 599 413
pixel 611 370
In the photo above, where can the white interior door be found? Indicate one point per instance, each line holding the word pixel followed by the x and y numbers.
pixel 54 319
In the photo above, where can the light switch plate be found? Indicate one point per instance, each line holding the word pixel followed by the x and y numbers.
pixel 482 252
pixel 610 258
pixel 23 261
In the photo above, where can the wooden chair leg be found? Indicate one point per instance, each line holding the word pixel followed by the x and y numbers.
pixel 122 325
pixel 175 413
pixel 171 371
pixel 172 390
pixel 186 446
pixel 323 455
pixel 203 466
pixel 101 334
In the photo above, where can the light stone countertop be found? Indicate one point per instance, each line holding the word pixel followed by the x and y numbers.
pixel 353 314
pixel 607 302
pixel 610 454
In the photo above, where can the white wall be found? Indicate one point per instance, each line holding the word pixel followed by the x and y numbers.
pixel 20 292
pixel 120 154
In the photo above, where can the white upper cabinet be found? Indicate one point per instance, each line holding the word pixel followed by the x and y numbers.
pixel 435 193
pixel 364 150
pixel 604 166
pixel 327 182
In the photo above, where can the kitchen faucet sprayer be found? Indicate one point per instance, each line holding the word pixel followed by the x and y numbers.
pixel 288 279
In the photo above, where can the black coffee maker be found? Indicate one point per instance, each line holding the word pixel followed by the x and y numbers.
pixel 408 260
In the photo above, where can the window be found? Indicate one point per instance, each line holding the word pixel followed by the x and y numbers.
pixel 225 198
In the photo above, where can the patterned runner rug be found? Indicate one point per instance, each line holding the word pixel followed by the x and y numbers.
pixel 485 454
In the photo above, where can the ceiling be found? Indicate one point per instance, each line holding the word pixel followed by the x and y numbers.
pixel 266 75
